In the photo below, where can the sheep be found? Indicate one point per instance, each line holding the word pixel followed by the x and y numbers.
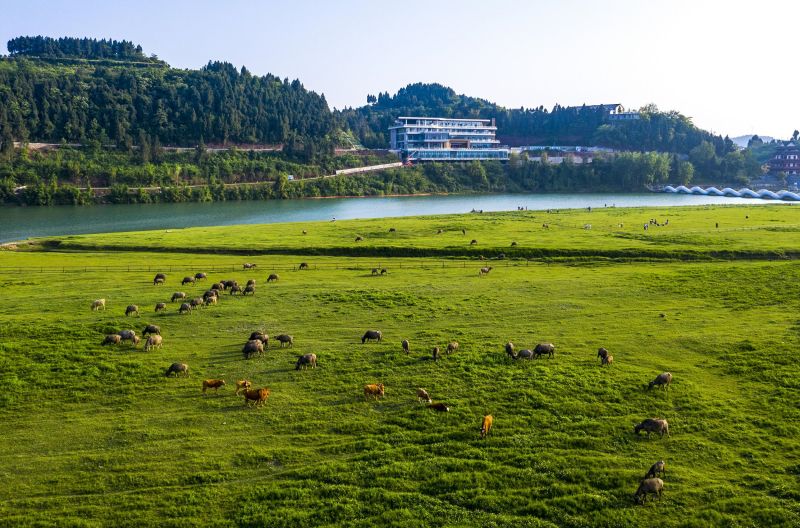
pixel 161 307
pixel 587 226
pixel 452 347
pixel 240 386
pixel 423 396
pixel 524 354
pixel 197 301
pixel 659 468
pixel 359 238
pixel 369 335
pixel 228 283
pixel 132 309
pixel 272 277
pixel 285 339
pixel 112 339
pixel 609 359
pixel 651 485
pixel 404 344
pixel 544 348
pixel 220 286
pixel 160 278
pixel 177 295
pixel 440 407
pixel 251 282
pixel 602 353
pixel 248 266
pixel 188 280
pixel 250 289
pixel 662 380
pixel 473 242
pixel 303 265
pixel 210 293
pixel 254 347
pixel 151 329
pixel 305 361
pixel 510 349
pixel 486 425
pixel 376 390
pixel 484 271
pixel 257 396
pixel 211 299
pixel 127 335
pixel 653 425
pixel 213 384
pixel 154 341
pixel 185 308
pixel 200 276
pixel 99 303
pixel 178 369
pixel 261 336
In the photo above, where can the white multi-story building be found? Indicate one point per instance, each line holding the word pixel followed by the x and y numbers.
pixel 446 139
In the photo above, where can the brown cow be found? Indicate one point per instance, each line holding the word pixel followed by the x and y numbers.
pixel 376 390
pixel 154 341
pixel 240 386
pixel 452 347
pixel 212 384
pixel 653 425
pixel 112 339
pixel 486 425
pixel 404 343
pixel 257 396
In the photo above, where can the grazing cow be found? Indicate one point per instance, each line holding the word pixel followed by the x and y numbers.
pixel 272 277
pixel 210 293
pixel 438 406
pixel 305 361
pixel 99 303
pixel 220 286
pixel 375 271
pixel 369 335
pixel 544 348
pixel 160 278
pixel 185 308
pixel 248 266
pixel 423 396
pixel 359 239
pixel 404 343
pixel 609 359
pixel 392 230
pixel 256 396
pixel 473 242
pixel 236 289
pixel 602 353
pixel 240 386
pixel 154 341
pixel 662 380
pixel 486 425
pixel 653 425
pixel 188 280
pixel 376 390
pixel 127 335
pixel 228 283
pixel 132 309
pixel 659 468
pixel 452 347
pixel 249 289
pixel 200 276
pixel 179 369
pixel 161 307
pixel 384 271
pixel 197 301
pixel 112 339
pixel 526 353
pixel 254 347
pixel 251 282
pixel 151 329
pixel 285 339
pixel 435 353
pixel 261 336
pixel 303 266
pixel 211 299
pixel 213 384
pixel 510 349
pixel 654 486
pixel 177 295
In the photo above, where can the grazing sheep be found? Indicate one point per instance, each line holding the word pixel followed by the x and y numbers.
pixel 197 301
pixel 423 396
pixel 651 485
pixel 261 336
pixel 544 348
pixel 526 353
pixel 250 289
pixel 257 396
pixel 161 307
pixel 188 280
pixel 211 299
pixel 659 468
pixel 132 309
pixel 305 361
pixel 404 344
pixel 178 369
pixel 369 335
pixel 112 339
pixel 375 271
pixel 127 335
pixel 609 359
pixel 160 278
pixel 254 347
pixel 177 295
pixel 213 384
pixel 99 303
pixel 486 425
pixel 240 386
pixel 376 390
pixel 236 289
pixel 185 308
pixel 200 276
pixel 285 339
pixel 359 239
pixel 452 347
pixel 440 407
pixel 510 349
pixel 272 277
pixel 484 271
pixel 151 329
pixel 303 265
pixel 248 266
pixel 210 293
pixel 662 380
pixel 602 353
pixel 154 341
pixel 435 353
pixel 653 425
pixel 473 242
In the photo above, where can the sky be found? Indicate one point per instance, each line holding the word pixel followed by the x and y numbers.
pixel 732 66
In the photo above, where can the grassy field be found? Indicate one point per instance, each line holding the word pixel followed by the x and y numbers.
pixel 97 436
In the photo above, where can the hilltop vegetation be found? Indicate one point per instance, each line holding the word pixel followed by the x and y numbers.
pixel 97 436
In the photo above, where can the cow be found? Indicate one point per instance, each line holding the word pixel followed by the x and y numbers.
pixel 248 266
pixel 252 348
pixel 161 307
pixel 177 295
pixel 249 289
pixel 369 335
pixel 188 280
pixel 439 407
pixel 484 271
pixel 160 278
pixel 404 344
pixel 112 339
pixel 131 309
pixel 128 335
pixel 236 289
pixel 375 390
pixel 486 425
pixel 99 303
pixel 154 341
pixel 272 277
pixel 305 361
pixel 653 425
pixel 178 369
pixel 542 349
pixel 602 353
pixel 609 359
pixel 651 485
pixel 213 384
pixel 285 339
pixel 256 396
pixel 185 308
pixel 151 329
pixel 200 276
pixel 303 266
pixel 240 386
pixel 510 349
pixel 261 336
pixel 423 396
pixel 452 347
pixel 662 380
pixel 659 468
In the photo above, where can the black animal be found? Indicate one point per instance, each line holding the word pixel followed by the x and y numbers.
pixel 370 335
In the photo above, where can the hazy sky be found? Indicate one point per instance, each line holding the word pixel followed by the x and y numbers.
pixel 730 65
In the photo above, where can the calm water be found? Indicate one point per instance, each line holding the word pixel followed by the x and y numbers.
pixel 17 223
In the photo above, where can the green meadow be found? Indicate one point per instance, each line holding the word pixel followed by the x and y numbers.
pixel 98 436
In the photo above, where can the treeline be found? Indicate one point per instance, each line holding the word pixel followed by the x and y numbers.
pixel 85 48
pixel 655 130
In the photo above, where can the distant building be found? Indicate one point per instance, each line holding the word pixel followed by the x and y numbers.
pixel 446 139
pixel 786 159
pixel 613 111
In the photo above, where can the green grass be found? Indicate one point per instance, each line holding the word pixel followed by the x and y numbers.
pixel 94 436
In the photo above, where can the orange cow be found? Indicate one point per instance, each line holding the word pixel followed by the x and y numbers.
pixel 257 396
pixel 486 426
pixel 373 390
pixel 212 384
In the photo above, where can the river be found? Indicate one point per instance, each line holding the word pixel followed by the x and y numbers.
pixel 18 223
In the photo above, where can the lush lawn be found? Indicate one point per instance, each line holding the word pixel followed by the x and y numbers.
pixel 98 436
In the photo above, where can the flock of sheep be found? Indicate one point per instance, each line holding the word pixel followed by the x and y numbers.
pixel 259 340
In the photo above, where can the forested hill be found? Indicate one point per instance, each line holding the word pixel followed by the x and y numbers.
pixel 660 131
pixel 44 98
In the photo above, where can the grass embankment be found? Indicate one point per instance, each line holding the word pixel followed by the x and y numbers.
pixel 95 436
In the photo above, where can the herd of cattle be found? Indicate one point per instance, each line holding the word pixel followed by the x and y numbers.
pixel 259 341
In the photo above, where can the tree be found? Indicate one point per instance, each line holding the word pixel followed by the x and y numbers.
pixel 795 134
pixel 754 141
